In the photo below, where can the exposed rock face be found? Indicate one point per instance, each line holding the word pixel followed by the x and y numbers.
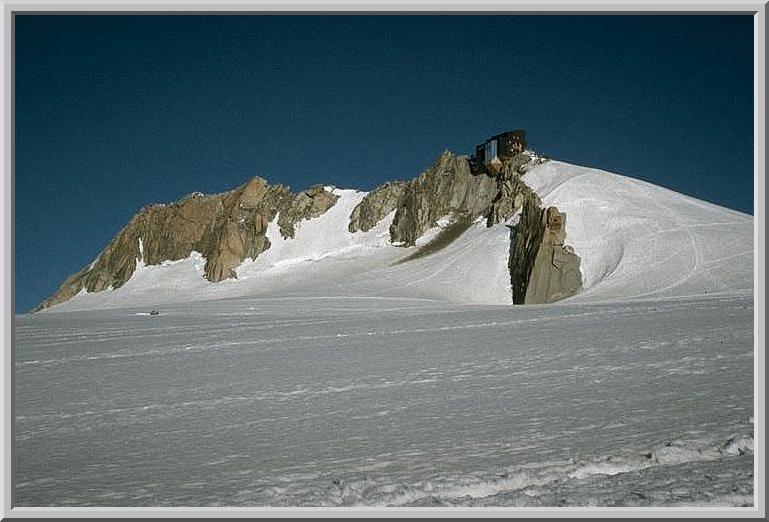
pixel 311 203
pixel 168 232
pixel 225 228
pixel 511 193
pixel 68 289
pixel 376 205
pixel 542 268
pixel 239 225
pixel 525 240
pixel 447 187
pixel 555 273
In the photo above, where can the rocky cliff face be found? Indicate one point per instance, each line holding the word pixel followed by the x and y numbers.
pixel 542 268
pixel 511 195
pixel 376 205
pixel 446 187
pixel 309 204
pixel 525 240
pixel 554 273
pixel 225 228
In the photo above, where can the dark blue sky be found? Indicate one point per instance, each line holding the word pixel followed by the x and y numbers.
pixel 113 113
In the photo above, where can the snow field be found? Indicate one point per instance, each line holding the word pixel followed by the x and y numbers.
pixel 334 401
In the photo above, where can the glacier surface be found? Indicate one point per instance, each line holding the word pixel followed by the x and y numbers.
pixel 340 401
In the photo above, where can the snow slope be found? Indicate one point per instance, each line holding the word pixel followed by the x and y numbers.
pixel 636 241
pixel 640 240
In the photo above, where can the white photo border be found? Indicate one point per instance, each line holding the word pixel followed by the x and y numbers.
pixel 7 215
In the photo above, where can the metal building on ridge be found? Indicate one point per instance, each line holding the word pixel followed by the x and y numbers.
pixel 491 154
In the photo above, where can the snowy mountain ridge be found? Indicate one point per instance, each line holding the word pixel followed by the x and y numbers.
pixel 632 240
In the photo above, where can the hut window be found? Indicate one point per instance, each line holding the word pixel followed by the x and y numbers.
pixel 491 150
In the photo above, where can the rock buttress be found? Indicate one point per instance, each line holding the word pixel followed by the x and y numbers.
pixel 542 268
pixel 238 230
pixel 446 187
pixel 376 205
pixel 308 204
pixel 555 274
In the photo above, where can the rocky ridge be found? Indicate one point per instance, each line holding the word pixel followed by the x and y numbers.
pixel 231 227
pixel 542 268
pixel 225 228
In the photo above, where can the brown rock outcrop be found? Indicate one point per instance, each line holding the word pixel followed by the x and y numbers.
pixel 225 228
pixel 376 205
pixel 311 203
pixel 525 239
pixel 238 228
pixel 542 268
pixel 555 273
pixel 510 196
pixel 446 187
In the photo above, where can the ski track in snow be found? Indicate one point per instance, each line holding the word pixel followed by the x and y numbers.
pixel 638 240
pixel 329 375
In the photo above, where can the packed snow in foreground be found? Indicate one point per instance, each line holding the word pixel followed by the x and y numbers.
pixel 340 401
pixel 328 374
